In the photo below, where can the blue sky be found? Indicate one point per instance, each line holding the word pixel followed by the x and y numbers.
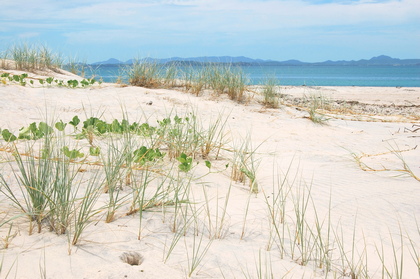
pixel 318 30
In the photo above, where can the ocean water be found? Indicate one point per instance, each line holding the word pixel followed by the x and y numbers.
pixel 310 75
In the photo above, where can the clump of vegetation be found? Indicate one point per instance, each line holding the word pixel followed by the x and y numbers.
pixel 145 74
pixel 271 96
pixel 47 175
pixel 317 103
pixel 227 79
pixel 221 78
pixel 32 58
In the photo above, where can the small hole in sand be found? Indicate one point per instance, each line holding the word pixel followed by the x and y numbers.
pixel 132 258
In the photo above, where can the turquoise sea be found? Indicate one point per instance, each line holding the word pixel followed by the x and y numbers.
pixel 310 75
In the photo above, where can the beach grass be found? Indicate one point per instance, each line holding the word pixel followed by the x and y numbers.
pixel 145 73
pixel 48 182
pixel 32 57
pixel 271 96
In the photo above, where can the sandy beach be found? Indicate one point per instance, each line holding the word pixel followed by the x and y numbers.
pixel 339 199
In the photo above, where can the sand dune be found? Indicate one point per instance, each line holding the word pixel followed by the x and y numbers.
pixel 317 165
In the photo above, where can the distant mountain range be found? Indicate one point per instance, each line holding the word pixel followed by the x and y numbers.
pixel 241 60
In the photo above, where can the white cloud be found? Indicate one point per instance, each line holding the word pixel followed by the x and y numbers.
pixel 217 15
pixel 218 23
pixel 28 35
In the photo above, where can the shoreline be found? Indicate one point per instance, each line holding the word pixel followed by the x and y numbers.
pixel 347 102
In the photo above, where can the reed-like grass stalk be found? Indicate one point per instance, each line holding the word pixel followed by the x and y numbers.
pixel 217 228
pixel 35 178
pixel 397 258
pixel 323 246
pixel 180 232
pixel 85 210
pixel 113 164
pixel 245 216
pixel 214 138
pixel 414 251
pixel 277 210
pixel 63 195
pixel 352 265
pixel 303 239
pixel 216 76
pixel 7 239
pixel 245 165
pixel 271 96
pixel 181 191
pixel 197 254
pixel 263 268
pixel 236 84
pixel 225 78
pixel 142 200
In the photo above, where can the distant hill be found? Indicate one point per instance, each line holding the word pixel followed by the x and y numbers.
pixel 242 60
pixel 378 60
pixel 110 61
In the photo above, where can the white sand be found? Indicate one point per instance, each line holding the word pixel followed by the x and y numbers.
pixel 378 206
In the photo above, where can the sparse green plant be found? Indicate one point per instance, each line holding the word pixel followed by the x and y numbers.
pixel 94 150
pixel 74 122
pixel 213 139
pixel 35 131
pixel 352 265
pixel 113 161
pixel 49 80
pixel 276 205
pixel 323 243
pixel 316 103
pixel 63 194
pixel 35 180
pixel 144 155
pixel 414 251
pixel 72 154
pixel 73 83
pixel 186 162
pixel 199 250
pixel 217 225
pixel 84 211
pixel 9 237
pixel 245 165
pixel 271 96
pixel 60 125
pixel 302 239
pixel 180 135
pixel 180 192
pixel 397 258
pixel 227 79
pixel 8 136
